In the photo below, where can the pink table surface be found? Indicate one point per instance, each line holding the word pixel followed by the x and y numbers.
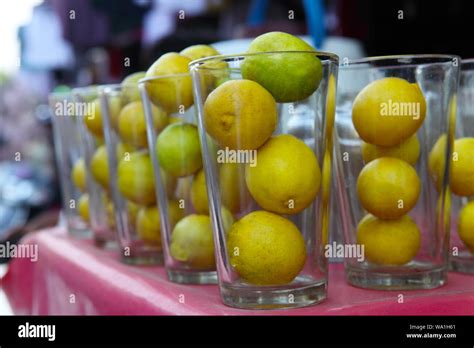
pixel 72 277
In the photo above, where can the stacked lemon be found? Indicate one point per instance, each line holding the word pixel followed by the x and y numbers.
pixel 461 181
pixel 78 177
pixel 387 114
pixel 179 154
pixel 265 248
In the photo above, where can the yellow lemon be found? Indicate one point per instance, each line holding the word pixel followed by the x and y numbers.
pixel 199 51
pixel 215 69
pixel 123 150
pixel 132 210
pixel 179 150
pixel 93 120
pixel 462 173
pixel 286 178
pixel 192 242
pixel 388 111
pixel 437 161
pixel 175 119
pixel 79 174
pixel 115 105
pixel 326 177
pixel 132 124
pixel 135 179
pixel 240 114
pixel 234 193
pixel 83 207
pixel 100 166
pixel 266 249
pixel 175 212
pixel 466 225
pixel 446 208
pixel 330 108
pixel 110 211
pixel 170 93
pixel 130 86
pixel 408 151
pixel 148 225
pixel 199 193
pixel 227 219
pixel 388 187
pixel 388 242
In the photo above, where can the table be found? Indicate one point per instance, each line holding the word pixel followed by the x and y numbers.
pixel 73 277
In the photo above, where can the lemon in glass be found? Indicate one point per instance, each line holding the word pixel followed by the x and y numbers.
pixel 170 93
pixel 388 187
pixel 409 151
pixel 389 242
pixel 286 178
pixel 179 150
pixel 135 178
pixel 466 225
pixel 100 166
pixel 388 111
pixel 79 174
pixel 192 242
pixel 132 123
pixel 240 114
pixel 266 249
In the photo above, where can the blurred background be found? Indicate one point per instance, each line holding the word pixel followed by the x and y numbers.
pixel 50 44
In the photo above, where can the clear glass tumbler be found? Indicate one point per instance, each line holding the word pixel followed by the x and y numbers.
pixel 266 124
pixel 186 231
pixel 131 174
pixel 101 209
pixel 392 117
pixel 70 163
pixel 462 175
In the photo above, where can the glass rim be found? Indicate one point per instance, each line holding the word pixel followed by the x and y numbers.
pixel 88 89
pixel 197 64
pixel 467 63
pixel 59 94
pixel 162 77
pixel 106 89
pixel 411 60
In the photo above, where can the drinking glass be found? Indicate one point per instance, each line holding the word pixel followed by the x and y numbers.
pixel 266 124
pixel 462 175
pixel 101 208
pixel 175 152
pixel 132 183
pixel 392 120
pixel 70 163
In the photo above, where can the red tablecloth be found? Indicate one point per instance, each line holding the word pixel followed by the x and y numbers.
pixel 74 277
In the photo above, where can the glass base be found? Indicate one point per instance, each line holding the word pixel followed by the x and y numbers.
pixel 462 263
pixel 143 259
pixel 80 233
pixel 247 297
pixel 192 277
pixel 412 277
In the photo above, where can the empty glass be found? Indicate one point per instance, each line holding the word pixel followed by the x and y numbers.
pixel 393 116
pixel 266 124
pixel 462 175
